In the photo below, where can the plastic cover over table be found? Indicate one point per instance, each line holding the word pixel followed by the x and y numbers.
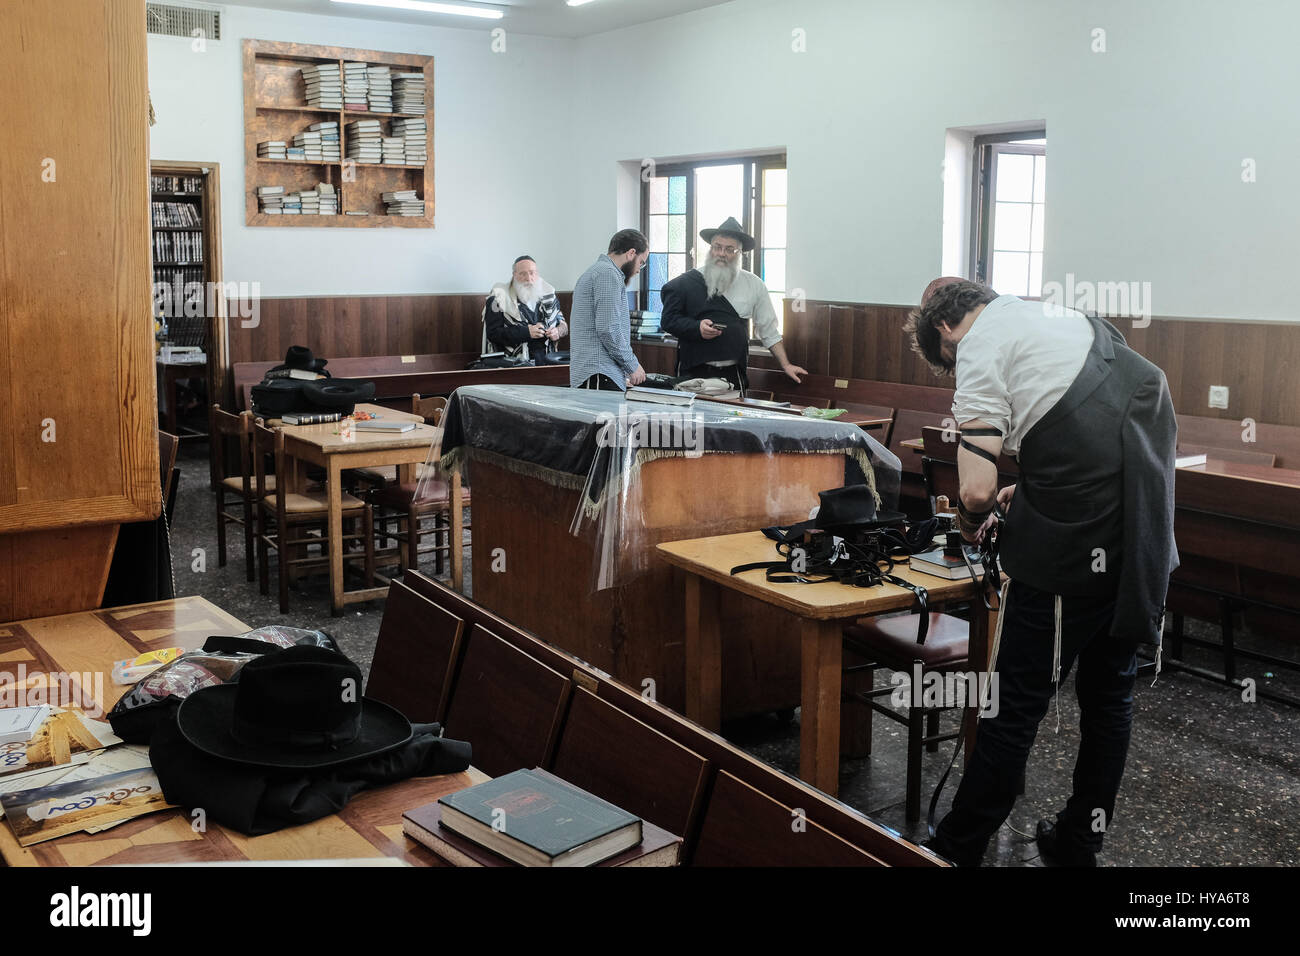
pixel 596 442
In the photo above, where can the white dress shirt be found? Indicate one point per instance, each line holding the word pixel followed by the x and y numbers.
pixel 1015 362
pixel 748 295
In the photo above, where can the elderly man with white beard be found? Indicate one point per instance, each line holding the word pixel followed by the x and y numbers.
pixel 523 312
pixel 709 310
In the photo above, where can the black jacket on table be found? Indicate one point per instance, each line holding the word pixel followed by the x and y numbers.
pixel 687 303
pixel 1093 512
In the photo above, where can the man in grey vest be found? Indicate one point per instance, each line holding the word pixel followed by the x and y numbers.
pixel 1087 541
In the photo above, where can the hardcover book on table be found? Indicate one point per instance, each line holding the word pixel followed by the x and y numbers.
pixel 536 819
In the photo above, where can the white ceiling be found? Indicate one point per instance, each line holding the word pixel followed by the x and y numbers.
pixel 540 17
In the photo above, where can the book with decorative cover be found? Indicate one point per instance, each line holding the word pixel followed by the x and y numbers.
pixel 537 819
pixel 661 396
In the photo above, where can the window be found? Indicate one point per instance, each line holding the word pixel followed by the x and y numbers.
pixel 683 198
pixel 1008 214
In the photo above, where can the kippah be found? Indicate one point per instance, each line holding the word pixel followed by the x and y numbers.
pixel 522 258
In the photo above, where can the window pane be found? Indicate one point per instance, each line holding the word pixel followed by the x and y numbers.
pixel 656 302
pixel 1015 177
pixel 778 306
pixel 658 194
pixel 774 269
pixel 677 195
pixel 658 266
pixel 1010 273
pixel 676 234
pixel 719 193
pixel 1035 273
pixel 1040 179
pixel 1036 236
pixel 774 226
pixel 659 233
pixel 1011 226
pixel 676 264
pixel 774 187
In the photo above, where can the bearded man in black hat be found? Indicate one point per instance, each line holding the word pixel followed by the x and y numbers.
pixel 710 309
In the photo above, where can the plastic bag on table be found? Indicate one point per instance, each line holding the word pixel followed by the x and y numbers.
pixel 140 709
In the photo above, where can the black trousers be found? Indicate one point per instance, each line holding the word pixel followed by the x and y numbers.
pixel 1104 687
pixel 601 383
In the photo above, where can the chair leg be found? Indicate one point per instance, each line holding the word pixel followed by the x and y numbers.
pixel 412 538
pixel 248 538
pixel 931 730
pixel 440 537
pixel 263 583
pixel 283 562
pixel 915 721
pixel 1176 637
pixel 1229 650
pixel 368 528
pixel 221 528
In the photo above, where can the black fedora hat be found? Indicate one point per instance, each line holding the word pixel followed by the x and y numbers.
pixel 851 508
pixel 296 708
pixel 301 357
pixel 730 228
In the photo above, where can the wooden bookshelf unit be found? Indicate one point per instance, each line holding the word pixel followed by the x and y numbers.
pixel 275 108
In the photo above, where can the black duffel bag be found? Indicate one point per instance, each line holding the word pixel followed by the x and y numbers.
pixel 275 397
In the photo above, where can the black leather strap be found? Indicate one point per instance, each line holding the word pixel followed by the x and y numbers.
pixel 982 452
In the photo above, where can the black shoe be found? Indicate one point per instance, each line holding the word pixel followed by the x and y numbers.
pixel 1054 855
pixel 938 846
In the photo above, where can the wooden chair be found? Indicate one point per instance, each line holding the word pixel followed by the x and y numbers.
pixel 238 481
pixel 407 505
pixel 611 754
pixel 507 704
pixel 281 512
pixel 416 654
pixel 745 827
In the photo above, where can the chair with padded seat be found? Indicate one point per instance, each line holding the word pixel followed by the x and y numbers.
pixel 282 514
pixel 401 508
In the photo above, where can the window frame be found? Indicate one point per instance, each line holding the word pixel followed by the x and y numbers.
pixel 984 187
pixel 751 220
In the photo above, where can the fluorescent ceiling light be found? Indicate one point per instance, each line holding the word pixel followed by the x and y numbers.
pixel 457 9
pixel 577 3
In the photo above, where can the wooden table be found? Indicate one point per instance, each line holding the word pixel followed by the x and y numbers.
pixel 322 445
pixel 369 826
pixel 823 609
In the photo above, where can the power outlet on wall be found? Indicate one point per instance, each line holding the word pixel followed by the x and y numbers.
pixel 1218 396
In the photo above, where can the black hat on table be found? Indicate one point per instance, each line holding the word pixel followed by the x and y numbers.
pixel 730 228
pixel 301 357
pixel 296 708
pixel 851 508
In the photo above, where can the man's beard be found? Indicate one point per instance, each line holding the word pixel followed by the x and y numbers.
pixel 629 271
pixel 530 293
pixel 718 277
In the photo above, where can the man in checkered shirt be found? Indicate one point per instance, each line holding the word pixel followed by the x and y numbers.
pixel 600 328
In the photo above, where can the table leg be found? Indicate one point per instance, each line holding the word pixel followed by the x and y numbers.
pixel 819 734
pixel 982 625
pixel 703 654
pixel 457 534
pixel 333 482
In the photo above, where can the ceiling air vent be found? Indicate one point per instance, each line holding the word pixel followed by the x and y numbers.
pixel 173 20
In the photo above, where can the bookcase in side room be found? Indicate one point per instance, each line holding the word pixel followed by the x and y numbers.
pixel 307 163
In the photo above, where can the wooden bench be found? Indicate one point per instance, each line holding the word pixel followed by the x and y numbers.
pixel 871 841
pixel 1223 438
pixel 416 655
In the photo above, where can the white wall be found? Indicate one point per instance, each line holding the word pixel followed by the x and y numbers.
pixel 1145 141
pixel 499 192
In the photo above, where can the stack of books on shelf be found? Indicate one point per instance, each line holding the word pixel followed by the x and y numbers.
pixel 272 149
pixel 175 214
pixel 309 143
pixel 408 93
pixel 178 248
pixel 176 184
pixel 356 86
pixel 394 149
pixel 365 141
pixel 404 202
pixel 295 152
pixel 329 199
pixel 270 200
pixel 329 140
pixel 415 144
pixel 310 200
pixel 324 86
pixel 292 204
pixel 380 89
